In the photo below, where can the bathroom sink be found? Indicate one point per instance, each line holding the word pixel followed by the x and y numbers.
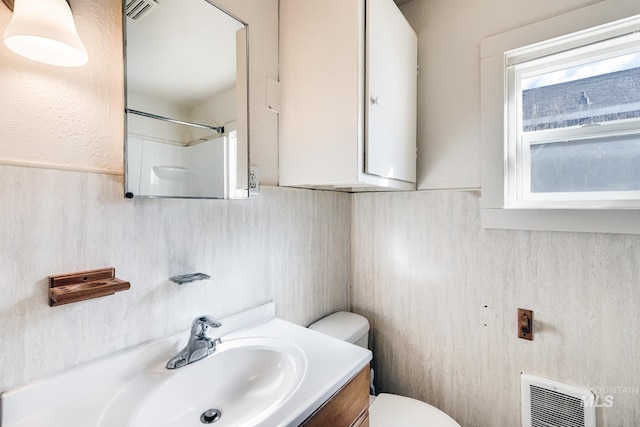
pixel 267 372
pixel 244 381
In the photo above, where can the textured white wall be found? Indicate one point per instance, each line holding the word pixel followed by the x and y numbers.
pixel 69 117
pixel 424 270
pixel 449 34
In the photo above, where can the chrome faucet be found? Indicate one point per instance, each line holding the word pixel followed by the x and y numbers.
pixel 199 345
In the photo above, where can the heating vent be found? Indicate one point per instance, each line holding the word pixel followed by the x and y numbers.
pixel 548 403
pixel 138 9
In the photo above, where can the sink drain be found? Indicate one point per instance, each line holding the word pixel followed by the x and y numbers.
pixel 210 416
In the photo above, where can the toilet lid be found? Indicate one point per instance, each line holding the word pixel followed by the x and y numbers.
pixel 390 410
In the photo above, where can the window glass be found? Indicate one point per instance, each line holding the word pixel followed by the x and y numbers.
pixel 600 91
pixel 593 165
pixel 573 125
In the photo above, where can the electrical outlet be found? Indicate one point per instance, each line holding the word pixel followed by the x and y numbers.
pixel 254 180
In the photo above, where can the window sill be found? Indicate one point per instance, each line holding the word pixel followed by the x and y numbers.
pixel 622 221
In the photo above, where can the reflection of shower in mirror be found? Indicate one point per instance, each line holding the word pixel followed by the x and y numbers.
pixel 186 100
pixel 161 169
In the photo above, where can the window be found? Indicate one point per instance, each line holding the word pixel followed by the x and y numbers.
pixel 573 120
pixel 560 122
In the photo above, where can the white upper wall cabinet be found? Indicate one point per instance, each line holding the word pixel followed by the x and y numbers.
pixel 348 97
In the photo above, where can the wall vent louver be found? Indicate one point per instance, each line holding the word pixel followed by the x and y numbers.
pixel 548 403
pixel 138 9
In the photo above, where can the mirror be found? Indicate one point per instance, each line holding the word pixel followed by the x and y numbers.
pixel 186 93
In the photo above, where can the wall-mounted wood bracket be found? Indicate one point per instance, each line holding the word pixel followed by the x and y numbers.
pixel 525 324
pixel 84 285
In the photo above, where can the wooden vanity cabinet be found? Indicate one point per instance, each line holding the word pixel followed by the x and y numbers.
pixel 348 81
pixel 348 407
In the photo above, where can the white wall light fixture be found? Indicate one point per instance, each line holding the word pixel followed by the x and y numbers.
pixel 44 31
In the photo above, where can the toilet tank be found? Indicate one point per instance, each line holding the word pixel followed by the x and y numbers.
pixel 345 326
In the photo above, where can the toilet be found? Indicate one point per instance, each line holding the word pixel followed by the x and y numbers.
pixel 385 410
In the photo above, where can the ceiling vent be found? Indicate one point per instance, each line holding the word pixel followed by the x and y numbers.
pixel 138 9
pixel 548 403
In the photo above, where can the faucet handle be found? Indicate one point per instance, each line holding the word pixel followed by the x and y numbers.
pixel 200 325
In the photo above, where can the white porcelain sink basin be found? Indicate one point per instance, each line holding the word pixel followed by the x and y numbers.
pixel 266 373
pixel 246 379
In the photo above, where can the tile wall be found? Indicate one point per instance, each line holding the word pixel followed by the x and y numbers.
pixel 276 246
pixel 442 295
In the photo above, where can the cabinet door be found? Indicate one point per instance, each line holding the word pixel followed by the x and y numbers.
pixel 321 56
pixel 391 91
pixel 349 406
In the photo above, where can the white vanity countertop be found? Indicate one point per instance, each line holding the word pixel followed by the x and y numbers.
pixel 79 397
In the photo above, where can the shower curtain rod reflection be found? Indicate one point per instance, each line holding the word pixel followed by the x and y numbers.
pixel 219 129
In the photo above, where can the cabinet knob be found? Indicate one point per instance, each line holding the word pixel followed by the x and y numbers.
pixel 375 100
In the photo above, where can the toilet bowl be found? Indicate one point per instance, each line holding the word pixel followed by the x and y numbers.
pixel 385 410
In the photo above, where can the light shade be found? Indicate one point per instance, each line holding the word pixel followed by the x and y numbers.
pixel 44 31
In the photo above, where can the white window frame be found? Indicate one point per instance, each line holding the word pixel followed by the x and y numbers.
pixel 606 41
pixel 494 161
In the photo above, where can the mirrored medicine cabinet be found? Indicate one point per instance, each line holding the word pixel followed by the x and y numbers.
pixel 186 100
